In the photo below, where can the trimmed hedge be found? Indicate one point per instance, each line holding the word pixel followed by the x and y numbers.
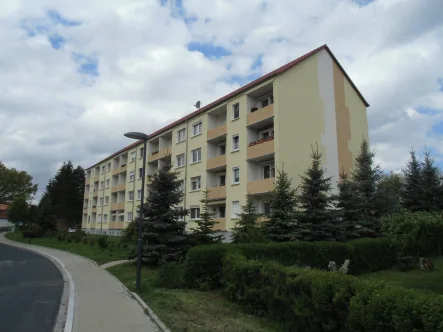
pixel 313 300
pixel 203 264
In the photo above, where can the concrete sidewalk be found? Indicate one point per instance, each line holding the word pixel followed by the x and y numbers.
pixel 101 302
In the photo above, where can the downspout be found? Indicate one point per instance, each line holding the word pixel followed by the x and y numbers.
pixel 103 205
pixel 186 169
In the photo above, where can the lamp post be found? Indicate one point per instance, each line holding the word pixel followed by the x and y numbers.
pixel 144 138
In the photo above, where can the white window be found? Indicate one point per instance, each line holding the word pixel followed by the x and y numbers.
pixel 195 183
pixel 102 184
pixel 235 175
pixel 195 213
pixel 103 169
pixel 268 170
pixel 139 194
pixel 142 150
pixel 99 217
pixel 197 128
pixel 267 101
pixel 140 172
pixel 221 149
pixel 181 135
pixel 235 142
pixel 130 195
pixel 114 217
pixel 108 183
pixel 106 200
pixel 196 155
pixel 129 216
pixel 131 176
pixel 133 155
pixel 109 167
pixel 235 111
pixel 181 217
pixel 100 201
pixel 235 209
pixel 105 218
pixel 264 134
pixel 181 160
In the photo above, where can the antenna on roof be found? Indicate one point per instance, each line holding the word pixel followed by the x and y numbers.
pixel 197 104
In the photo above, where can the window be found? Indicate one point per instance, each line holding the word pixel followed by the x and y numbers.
pixel 108 183
pixel 103 169
pixel 100 201
pixel 268 171
pixel 140 172
pixel 235 143
pixel 129 216
pixel 197 128
pixel 222 149
pixel 235 111
pixel 236 175
pixel 267 133
pixel 131 176
pixel 102 184
pixel 99 217
pixel 195 183
pixel 196 155
pixel 139 194
pixel 182 186
pixel 105 218
pixel 222 180
pixel 109 167
pixel 142 150
pixel 265 102
pixel 180 217
pixel 89 218
pixel 181 160
pixel 130 195
pixel 106 200
pixel 181 135
pixel 133 156
pixel 235 209
pixel 222 211
pixel 195 213
pixel 267 208
pixel 114 217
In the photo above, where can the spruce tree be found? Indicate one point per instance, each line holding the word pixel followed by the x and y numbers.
pixel 204 233
pixel 365 176
pixel 163 233
pixel 429 185
pixel 248 228
pixel 410 194
pixel 282 224
pixel 315 202
pixel 347 203
pixel 389 190
pixel 44 214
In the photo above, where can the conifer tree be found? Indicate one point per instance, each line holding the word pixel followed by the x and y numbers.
pixel 410 194
pixel 283 218
pixel 315 202
pixel 347 204
pixel 248 228
pixel 44 215
pixel 389 192
pixel 163 233
pixel 204 233
pixel 429 185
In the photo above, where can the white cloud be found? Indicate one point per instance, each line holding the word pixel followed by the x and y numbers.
pixel 392 49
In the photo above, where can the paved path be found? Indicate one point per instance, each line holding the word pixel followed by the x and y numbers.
pixel 102 304
pixel 30 291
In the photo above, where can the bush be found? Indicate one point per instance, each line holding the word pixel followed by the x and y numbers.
pixel 171 275
pixel 102 242
pixel 33 231
pixel 91 242
pixel 417 233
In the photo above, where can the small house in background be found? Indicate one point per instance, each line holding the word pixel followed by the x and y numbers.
pixel 4 217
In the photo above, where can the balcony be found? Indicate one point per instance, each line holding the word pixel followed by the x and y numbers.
pixel 159 154
pixel 261 148
pixel 92 225
pixel 95 193
pixel 217 193
pixel 94 210
pixel 119 187
pixel 116 225
pixel 220 224
pixel 260 114
pixel 117 206
pixel 216 132
pixel 86 194
pixel 118 170
pixel 261 186
pixel 216 162
pixel 88 180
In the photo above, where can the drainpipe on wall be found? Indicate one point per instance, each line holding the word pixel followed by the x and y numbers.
pixel 103 203
pixel 186 169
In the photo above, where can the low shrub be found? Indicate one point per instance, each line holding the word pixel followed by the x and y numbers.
pixel 91 242
pixel 33 231
pixel 102 242
pixel 171 275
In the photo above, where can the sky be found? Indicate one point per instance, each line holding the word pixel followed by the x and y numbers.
pixel 76 75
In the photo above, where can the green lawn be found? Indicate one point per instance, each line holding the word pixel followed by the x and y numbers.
pixel 427 281
pixel 98 255
pixel 190 310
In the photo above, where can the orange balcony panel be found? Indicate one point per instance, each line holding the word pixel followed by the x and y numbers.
pixel 95 193
pixel 159 154
pixel 92 225
pixel 217 193
pixel 216 162
pixel 220 224
pixel 261 149
pixel 116 225
pixel 119 170
pixel 119 187
pixel 261 114
pixel 261 186
pixel 117 206
pixel 94 210
pixel 87 180
pixel 216 132
pixel 86 194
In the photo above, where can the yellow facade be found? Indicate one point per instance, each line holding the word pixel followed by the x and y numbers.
pixel 234 146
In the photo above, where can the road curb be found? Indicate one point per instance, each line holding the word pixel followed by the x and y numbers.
pixel 147 309
pixel 65 316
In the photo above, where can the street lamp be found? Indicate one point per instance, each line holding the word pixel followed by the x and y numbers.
pixel 144 138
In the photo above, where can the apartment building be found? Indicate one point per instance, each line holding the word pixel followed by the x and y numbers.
pixel 234 145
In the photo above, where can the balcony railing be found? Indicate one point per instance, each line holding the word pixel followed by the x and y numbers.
pixel 118 225
pixel 261 114
pixel 216 132
pixel 261 148
pixel 261 186
pixel 159 154
pixel 217 192
pixel 216 162
pixel 119 187
pixel 119 170
pixel 117 206
pixel 220 224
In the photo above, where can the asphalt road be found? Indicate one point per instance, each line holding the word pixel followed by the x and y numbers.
pixel 30 291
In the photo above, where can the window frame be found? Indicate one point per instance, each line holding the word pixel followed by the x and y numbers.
pixel 180 157
pixel 130 193
pixel 194 179
pixel 133 156
pixel 131 176
pixel 199 154
pixel 197 216
pixel 235 107
pixel 127 216
pixel 236 136
pixel 234 215
pixel 234 169
pixel 198 125
pixel 183 130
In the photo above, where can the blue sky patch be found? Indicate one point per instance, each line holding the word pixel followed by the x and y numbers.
pixel 427 111
pixel 57 41
pixel 242 80
pixel 440 84
pixel 56 18
pixel 437 128
pixel 88 64
pixel 209 50
pixel 363 2
pixel 257 63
